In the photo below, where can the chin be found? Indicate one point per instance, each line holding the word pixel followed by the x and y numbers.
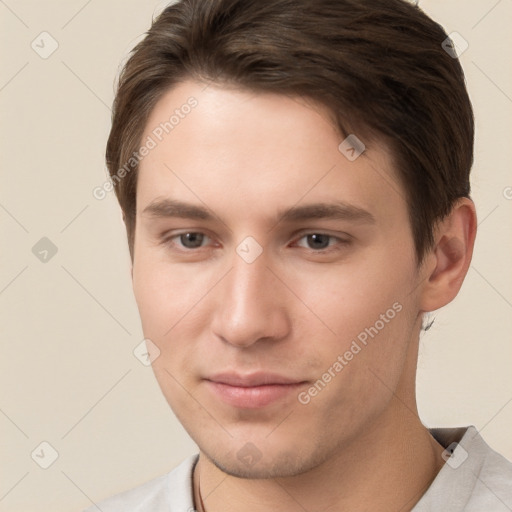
pixel 251 462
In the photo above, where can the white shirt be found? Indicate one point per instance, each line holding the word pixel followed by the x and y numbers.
pixel 474 478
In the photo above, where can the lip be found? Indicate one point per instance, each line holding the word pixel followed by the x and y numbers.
pixel 253 390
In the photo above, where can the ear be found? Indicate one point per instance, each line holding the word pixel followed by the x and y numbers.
pixel 448 262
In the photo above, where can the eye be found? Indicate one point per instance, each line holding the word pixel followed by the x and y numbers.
pixel 188 240
pixel 321 241
pixel 317 242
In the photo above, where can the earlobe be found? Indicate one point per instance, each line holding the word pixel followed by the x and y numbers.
pixel 451 256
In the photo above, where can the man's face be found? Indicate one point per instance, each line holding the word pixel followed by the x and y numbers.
pixel 328 302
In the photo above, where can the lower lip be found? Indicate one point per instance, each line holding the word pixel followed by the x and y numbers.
pixel 252 397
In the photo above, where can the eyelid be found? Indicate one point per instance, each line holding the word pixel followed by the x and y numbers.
pixel 327 232
pixel 341 241
pixel 168 238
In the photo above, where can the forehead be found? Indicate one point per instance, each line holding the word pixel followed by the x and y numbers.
pixel 257 150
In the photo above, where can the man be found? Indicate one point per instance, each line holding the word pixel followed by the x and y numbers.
pixel 294 180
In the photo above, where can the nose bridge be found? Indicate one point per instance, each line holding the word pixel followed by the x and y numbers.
pixel 249 281
pixel 250 307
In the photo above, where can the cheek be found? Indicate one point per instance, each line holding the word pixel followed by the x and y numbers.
pixel 163 296
pixel 360 322
pixel 167 300
pixel 372 313
pixel 163 291
pixel 175 307
pixel 342 302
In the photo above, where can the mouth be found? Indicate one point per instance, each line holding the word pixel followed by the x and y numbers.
pixel 254 390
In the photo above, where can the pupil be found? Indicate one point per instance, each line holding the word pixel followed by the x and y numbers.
pixel 191 240
pixel 319 241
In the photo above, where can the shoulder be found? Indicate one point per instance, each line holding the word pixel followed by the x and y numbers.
pixel 493 477
pixel 474 478
pixel 156 495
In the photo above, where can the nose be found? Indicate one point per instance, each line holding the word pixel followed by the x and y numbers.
pixel 252 304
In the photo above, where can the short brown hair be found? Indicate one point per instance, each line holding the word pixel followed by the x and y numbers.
pixel 378 65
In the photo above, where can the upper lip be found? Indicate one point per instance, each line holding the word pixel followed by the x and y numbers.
pixel 252 379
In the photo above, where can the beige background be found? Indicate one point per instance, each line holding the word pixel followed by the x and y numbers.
pixel 69 326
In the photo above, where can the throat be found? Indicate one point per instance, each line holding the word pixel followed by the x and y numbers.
pixel 394 479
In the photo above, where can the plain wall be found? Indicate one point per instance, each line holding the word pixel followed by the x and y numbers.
pixel 69 325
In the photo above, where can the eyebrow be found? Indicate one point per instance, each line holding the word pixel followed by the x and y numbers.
pixel 162 208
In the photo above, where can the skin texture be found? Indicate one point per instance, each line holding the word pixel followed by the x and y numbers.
pixel 358 443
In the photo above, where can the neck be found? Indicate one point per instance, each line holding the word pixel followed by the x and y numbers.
pixel 388 468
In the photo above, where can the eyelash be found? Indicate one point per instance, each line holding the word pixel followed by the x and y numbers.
pixel 341 242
